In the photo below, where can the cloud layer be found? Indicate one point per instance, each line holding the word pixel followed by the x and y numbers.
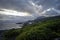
pixel 23 10
pixel 35 7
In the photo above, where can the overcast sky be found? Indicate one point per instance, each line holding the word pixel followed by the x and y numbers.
pixel 23 10
pixel 31 8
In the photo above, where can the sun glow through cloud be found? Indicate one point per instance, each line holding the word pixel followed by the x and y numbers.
pixel 14 13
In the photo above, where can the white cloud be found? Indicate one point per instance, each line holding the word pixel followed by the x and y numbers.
pixel 37 8
pixel 49 9
pixel 58 11
pixel 14 13
pixel 50 12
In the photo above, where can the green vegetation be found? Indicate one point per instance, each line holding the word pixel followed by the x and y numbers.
pixel 45 30
pixel 11 34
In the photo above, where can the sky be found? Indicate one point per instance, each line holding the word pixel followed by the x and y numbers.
pixel 15 11
pixel 28 8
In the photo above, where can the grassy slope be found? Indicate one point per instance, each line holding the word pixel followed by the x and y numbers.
pixel 45 30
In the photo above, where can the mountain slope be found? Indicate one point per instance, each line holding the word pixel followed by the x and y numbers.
pixel 48 29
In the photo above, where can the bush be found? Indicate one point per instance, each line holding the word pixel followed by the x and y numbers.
pixel 11 34
pixel 48 30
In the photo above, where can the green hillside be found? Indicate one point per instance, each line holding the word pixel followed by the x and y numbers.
pixel 45 30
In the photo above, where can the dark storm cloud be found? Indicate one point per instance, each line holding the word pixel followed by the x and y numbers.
pixel 24 5
pixel 47 3
pixel 13 4
pixel 19 5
